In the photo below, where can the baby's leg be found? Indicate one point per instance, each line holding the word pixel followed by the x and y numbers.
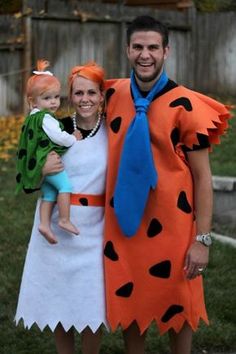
pixel 63 201
pixel 45 220
pixel 61 183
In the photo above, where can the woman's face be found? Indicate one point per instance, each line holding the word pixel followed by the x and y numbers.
pixel 86 97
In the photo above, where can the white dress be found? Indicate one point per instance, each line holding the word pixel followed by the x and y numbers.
pixel 65 282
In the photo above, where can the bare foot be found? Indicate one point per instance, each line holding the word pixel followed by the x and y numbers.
pixel 68 226
pixel 47 233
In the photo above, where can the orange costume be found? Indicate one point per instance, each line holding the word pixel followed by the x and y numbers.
pixel 144 274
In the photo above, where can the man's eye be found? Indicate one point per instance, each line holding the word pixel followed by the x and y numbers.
pixel 154 47
pixel 137 47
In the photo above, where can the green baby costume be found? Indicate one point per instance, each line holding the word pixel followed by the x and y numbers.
pixel 34 145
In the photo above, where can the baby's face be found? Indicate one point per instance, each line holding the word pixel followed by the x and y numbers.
pixel 49 100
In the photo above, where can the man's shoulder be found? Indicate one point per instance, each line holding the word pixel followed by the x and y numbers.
pixel 116 83
pixel 194 101
pixel 182 93
pixel 117 89
pixel 183 90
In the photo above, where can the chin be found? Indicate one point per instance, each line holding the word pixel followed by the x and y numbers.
pixel 145 78
pixel 84 114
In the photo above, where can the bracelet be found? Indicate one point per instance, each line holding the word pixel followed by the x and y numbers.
pixel 204 234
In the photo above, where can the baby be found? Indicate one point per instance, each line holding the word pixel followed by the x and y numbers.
pixel 42 133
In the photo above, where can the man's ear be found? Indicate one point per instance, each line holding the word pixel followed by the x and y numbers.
pixel 128 50
pixel 166 52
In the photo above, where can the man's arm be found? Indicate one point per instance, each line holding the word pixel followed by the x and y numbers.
pixel 198 254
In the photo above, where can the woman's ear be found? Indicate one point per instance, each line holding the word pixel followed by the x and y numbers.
pixel 102 102
pixel 102 98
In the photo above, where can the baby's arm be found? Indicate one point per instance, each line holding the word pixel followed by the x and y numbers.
pixel 52 128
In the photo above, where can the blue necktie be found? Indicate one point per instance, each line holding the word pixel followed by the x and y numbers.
pixel 137 172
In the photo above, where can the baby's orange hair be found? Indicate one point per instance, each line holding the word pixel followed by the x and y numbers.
pixel 39 83
pixel 90 71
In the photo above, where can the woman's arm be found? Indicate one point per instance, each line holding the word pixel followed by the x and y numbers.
pixel 53 164
pixel 198 254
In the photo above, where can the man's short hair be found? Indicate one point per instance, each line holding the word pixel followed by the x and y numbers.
pixel 148 23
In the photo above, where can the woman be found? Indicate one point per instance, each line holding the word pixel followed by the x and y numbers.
pixel 62 284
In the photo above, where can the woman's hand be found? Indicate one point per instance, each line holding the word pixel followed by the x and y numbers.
pixel 53 164
pixel 196 260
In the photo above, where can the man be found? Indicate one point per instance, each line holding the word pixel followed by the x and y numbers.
pixel 153 262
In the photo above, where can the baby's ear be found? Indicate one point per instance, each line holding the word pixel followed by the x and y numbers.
pixel 31 102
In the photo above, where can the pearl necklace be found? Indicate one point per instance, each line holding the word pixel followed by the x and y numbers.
pixel 73 116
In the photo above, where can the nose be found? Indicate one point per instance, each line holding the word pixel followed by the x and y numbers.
pixel 85 97
pixel 145 53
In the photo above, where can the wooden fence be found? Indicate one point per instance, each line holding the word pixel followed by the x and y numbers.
pixel 202 57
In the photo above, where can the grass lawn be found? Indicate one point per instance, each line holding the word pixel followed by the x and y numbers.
pixel 16 215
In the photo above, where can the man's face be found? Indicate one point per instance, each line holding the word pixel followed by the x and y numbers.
pixel 147 56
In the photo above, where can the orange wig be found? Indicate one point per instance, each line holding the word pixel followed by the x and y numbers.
pixel 90 71
pixel 41 81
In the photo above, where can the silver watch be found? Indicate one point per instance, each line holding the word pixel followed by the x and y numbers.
pixel 205 239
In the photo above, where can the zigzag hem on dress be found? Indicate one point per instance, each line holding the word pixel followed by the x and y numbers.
pixel 162 329
pixel 66 325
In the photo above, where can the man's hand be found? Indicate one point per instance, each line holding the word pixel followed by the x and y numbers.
pixel 196 260
pixel 53 164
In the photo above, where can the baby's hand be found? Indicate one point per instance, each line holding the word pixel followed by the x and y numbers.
pixel 78 134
